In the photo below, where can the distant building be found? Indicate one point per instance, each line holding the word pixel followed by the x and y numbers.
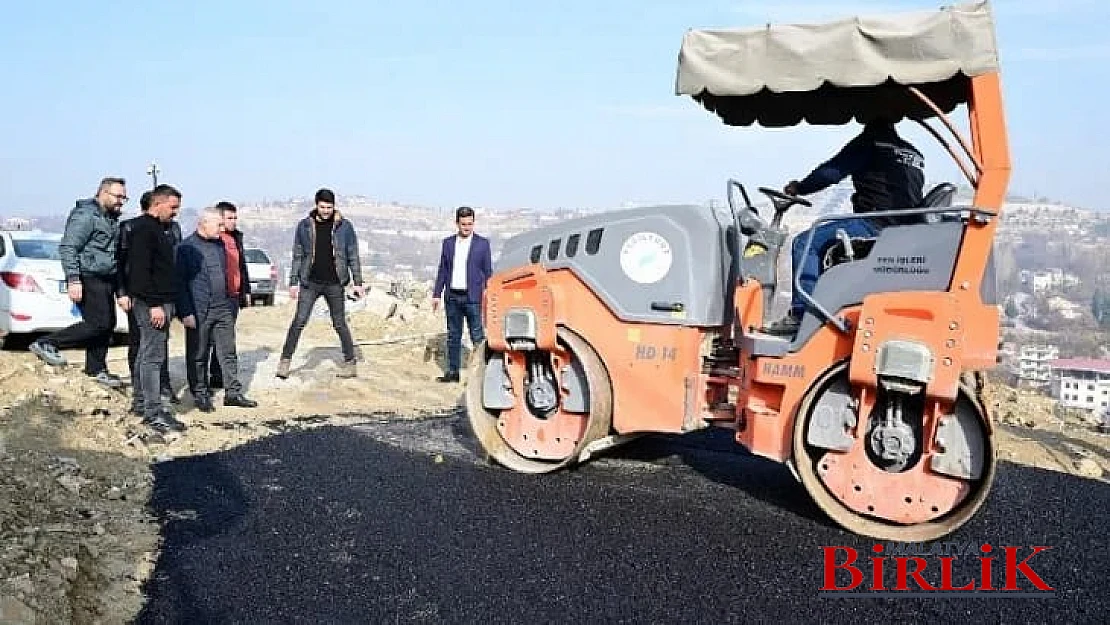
pixel 1067 309
pixel 1041 281
pixel 1034 366
pixel 1082 383
pixel 17 223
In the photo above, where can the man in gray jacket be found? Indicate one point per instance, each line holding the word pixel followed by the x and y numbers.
pixel 208 309
pixel 325 261
pixel 88 254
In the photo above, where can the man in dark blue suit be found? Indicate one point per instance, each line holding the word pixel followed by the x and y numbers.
pixel 465 264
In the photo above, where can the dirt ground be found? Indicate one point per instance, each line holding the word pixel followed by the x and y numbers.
pixel 76 538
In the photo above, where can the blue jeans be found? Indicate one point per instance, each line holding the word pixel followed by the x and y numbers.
pixel 459 309
pixel 823 235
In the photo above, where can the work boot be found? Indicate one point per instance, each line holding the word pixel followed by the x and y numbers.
pixel 787 326
pixel 348 369
pixel 283 368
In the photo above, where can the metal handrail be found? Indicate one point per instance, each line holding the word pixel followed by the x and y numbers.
pixel 967 212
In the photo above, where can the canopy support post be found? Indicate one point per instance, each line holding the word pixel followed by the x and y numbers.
pixel 972 180
pixel 951 128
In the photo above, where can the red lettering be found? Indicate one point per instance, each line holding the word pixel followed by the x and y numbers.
pixel 1013 566
pixel 946 576
pixel 916 573
pixel 877 569
pixel 986 580
pixel 831 566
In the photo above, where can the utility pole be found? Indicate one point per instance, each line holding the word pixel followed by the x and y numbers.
pixel 152 171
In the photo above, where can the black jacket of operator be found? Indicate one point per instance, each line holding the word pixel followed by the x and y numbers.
pixel 887 171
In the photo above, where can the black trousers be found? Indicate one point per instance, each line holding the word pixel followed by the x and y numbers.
pixel 337 306
pixel 98 322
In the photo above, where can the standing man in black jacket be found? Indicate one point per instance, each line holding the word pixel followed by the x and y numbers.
pixel 232 238
pixel 325 261
pixel 124 301
pixel 152 287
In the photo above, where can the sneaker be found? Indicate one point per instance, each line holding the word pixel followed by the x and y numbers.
pixel 283 368
pixel 107 379
pixel 47 353
pixel 348 369
pixel 239 401
pixel 163 422
pixel 450 376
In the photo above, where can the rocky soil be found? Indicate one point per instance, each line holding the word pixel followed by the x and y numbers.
pixel 76 537
pixel 1034 431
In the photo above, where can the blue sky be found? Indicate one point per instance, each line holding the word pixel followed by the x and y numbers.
pixel 487 102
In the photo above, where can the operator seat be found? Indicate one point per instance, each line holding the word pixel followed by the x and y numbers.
pixel 938 197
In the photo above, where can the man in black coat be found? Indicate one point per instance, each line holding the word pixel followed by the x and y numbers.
pixel 152 288
pixel 173 229
pixel 207 304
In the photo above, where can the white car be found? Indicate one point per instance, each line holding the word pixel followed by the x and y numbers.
pixel 262 273
pixel 33 296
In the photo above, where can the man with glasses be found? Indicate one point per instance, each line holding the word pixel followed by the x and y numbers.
pixel 88 254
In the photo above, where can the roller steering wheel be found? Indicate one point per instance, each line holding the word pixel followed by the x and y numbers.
pixel 789 199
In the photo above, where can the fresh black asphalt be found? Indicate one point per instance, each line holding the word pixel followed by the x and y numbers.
pixel 401 522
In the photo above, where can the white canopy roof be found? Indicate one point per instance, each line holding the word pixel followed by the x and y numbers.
pixel 830 73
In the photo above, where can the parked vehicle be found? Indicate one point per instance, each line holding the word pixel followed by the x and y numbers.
pixel 262 273
pixel 33 295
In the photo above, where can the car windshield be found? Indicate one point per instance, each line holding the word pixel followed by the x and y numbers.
pixel 256 256
pixel 37 249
